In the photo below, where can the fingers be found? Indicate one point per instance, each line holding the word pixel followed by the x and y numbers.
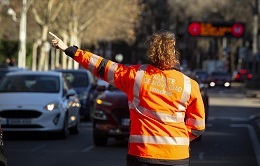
pixel 56 37
pixel 55 43
pixel 58 43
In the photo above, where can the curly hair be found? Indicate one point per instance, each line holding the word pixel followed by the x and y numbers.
pixel 162 51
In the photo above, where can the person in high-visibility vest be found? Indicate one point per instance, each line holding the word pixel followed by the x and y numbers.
pixel 166 106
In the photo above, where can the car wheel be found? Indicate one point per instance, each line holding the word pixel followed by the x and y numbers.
pixel 100 140
pixel 88 116
pixel 65 131
pixel 75 129
pixel 91 110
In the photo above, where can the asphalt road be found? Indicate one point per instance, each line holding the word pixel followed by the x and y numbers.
pixel 229 140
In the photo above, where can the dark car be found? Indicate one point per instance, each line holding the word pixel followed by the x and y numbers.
pixel 85 85
pixel 111 115
pixel 242 75
pixel 219 78
pixel 4 70
pixel 202 74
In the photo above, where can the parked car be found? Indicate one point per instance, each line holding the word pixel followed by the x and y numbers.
pixel 111 114
pixel 38 101
pixel 242 75
pixel 85 85
pixel 219 78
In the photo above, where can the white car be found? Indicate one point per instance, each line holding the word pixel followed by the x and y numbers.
pixel 38 101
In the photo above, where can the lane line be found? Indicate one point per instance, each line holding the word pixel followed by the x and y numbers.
pixel 228 118
pixel 253 136
pixel 201 155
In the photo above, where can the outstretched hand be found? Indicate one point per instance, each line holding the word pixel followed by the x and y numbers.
pixel 58 43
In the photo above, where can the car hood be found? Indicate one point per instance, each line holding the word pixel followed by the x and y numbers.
pixel 220 77
pixel 27 99
pixel 117 97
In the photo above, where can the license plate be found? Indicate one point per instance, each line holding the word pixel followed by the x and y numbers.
pixel 18 121
pixel 125 121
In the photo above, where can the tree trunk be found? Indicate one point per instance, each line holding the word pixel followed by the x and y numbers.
pixel 43 53
pixel 64 56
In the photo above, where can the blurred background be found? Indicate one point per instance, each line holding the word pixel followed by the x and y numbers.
pixel 218 40
pixel 211 34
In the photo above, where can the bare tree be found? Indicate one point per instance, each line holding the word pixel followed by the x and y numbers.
pixel 97 20
pixel 45 12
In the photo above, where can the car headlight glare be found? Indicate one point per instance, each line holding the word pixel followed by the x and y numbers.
pixel 51 106
pixel 227 84
pixel 102 102
pixel 98 114
pixel 212 84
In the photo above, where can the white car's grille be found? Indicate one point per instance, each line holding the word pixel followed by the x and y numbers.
pixel 20 114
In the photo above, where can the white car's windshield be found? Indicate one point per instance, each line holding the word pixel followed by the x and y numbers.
pixel 30 83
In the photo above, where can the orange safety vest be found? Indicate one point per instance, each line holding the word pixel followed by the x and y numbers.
pixel 165 106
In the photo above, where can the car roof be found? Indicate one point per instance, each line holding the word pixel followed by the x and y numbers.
pixel 72 70
pixel 13 68
pixel 200 70
pixel 225 72
pixel 29 72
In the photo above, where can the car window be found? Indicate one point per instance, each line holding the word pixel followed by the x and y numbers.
pixel 66 83
pixel 77 79
pixel 201 74
pixel 2 74
pixel 30 83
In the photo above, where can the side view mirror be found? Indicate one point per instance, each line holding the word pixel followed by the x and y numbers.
pixel 70 92
pixel 101 88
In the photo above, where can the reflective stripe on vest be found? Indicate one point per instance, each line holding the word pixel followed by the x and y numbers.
pixel 164 117
pixel 111 72
pixel 159 140
pixel 185 94
pixel 195 122
pixel 92 63
pixel 134 104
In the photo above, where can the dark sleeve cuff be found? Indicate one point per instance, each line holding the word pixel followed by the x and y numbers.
pixel 70 51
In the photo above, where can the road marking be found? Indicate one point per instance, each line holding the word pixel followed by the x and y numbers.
pixel 209 125
pixel 228 118
pixel 88 148
pixel 201 155
pixel 254 139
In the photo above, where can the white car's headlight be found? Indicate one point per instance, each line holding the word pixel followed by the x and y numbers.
pixel 52 106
